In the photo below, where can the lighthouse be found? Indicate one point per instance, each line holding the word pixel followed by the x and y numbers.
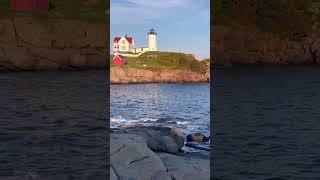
pixel 152 38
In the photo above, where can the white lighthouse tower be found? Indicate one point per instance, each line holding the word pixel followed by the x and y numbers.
pixel 152 37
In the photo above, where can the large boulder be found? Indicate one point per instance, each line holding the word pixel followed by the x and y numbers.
pixel 186 168
pixel 161 139
pixel 197 137
pixel 130 158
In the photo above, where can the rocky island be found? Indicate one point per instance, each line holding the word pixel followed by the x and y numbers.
pixel 160 67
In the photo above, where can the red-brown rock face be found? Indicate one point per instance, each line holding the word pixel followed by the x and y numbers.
pixel 123 75
pixel 26 44
pixel 248 46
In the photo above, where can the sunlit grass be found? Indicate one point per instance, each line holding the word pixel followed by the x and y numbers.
pixel 164 61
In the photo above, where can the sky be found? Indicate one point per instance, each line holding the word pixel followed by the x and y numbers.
pixel 181 25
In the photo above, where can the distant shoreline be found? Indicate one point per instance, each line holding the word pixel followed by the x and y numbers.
pixel 200 82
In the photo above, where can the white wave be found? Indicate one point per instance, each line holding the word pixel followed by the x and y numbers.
pixel 147 120
pixel 118 121
pixel 186 127
pixel 182 122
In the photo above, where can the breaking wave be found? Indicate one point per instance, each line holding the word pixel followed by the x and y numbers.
pixel 186 127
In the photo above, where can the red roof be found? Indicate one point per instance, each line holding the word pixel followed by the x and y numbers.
pixel 129 39
pixel 116 39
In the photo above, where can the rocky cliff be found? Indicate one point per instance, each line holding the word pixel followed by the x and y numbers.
pixel 26 44
pixel 243 45
pixel 124 75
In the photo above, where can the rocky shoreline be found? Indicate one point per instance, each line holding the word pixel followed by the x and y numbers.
pixel 154 153
pixel 124 75
pixel 30 45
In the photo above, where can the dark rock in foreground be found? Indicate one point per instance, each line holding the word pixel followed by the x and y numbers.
pixel 132 159
pixel 185 167
pixel 162 139
pixel 131 156
pixel 197 137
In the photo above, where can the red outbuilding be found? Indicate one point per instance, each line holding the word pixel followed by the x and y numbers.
pixel 29 5
pixel 117 60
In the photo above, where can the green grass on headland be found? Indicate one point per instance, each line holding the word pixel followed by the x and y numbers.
pixel 82 10
pixel 206 61
pixel 165 61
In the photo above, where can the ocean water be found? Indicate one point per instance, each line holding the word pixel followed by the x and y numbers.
pixel 266 123
pixel 53 125
pixel 183 106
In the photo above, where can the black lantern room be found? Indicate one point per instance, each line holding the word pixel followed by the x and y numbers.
pixel 152 32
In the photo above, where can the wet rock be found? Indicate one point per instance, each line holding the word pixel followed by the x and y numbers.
pixel 186 168
pixel 130 158
pixel 197 146
pixel 162 139
pixel 197 137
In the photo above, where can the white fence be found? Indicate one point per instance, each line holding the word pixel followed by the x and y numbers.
pixel 132 55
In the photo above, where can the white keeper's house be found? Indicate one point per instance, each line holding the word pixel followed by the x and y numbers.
pixel 125 44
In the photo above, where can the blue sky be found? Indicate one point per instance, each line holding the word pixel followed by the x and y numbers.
pixel 181 25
